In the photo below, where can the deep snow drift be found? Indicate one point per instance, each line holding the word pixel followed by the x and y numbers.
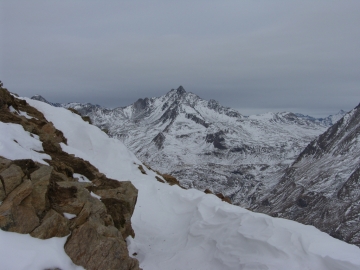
pixel 176 228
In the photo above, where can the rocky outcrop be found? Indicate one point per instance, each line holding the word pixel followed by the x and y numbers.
pixel 159 140
pixel 48 201
pixel 197 120
pixel 217 139
pixel 219 195
pixel 39 204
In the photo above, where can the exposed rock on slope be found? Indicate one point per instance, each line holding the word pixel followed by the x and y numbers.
pixel 50 201
pixel 322 187
pixel 199 141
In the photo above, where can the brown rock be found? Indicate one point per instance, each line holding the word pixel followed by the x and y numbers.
pixel 96 246
pixel 140 167
pixel 52 225
pixel 67 197
pixel 11 177
pixel 171 180
pixel 15 214
pixel 27 165
pixel 2 191
pixel 120 204
pixel 119 211
pixel 41 179
pixel 19 193
pixel 25 219
pixel 93 209
pixel 159 179
pixel 4 163
pixel 223 198
pixel 82 217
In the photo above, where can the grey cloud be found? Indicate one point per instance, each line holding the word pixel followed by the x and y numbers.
pixel 252 56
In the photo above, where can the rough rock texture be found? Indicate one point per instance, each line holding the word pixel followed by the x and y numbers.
pixel 219 195
pixel 52 225
pixel 119 199
pixel 322 187
pixel 36 198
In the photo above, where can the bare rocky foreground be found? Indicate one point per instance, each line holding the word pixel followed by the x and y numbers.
pixel 35 197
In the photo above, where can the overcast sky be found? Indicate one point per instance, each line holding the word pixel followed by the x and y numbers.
pixel 255 56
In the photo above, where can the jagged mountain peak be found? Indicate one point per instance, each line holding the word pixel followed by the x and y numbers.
pixel 141 104
pixel 42 99
pixel 180 90
pixel 39 98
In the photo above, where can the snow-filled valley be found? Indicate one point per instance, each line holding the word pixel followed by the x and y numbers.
pixel 174 228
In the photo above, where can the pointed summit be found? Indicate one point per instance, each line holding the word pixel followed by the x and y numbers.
pixel 180 90
pixel 42 99
pixel 39 98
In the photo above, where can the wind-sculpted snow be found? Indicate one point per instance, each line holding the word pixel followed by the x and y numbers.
pixel 181 134
pixel 187 229
pixel 15 142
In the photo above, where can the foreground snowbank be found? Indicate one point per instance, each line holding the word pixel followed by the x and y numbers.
pixel 186 229
pixel 19 251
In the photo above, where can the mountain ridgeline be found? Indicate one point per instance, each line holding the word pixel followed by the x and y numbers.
pixel 207 145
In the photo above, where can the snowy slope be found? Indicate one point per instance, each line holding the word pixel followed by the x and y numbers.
pixel 187 229
pixel 322 186
pixel 206 145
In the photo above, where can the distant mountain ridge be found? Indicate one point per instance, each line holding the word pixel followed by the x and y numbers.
pixel 327 121
pixel 321 187
pixel 206 145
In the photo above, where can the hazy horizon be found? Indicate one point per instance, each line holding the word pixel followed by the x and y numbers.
pixel 243 111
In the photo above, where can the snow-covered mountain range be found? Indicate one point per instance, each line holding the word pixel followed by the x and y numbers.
pixel 206 145
pixel 321 187
pixel 174 228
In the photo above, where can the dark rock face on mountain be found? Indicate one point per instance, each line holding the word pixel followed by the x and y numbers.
pixel 202 143
pixel 322 187
pixel 50 201
pixel 216 139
